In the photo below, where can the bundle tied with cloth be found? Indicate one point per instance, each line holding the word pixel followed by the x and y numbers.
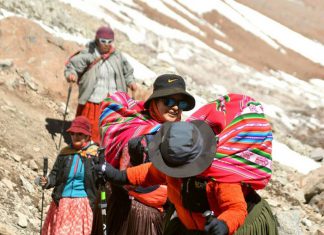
pixel 243 155
pixel 244 140
pixel 122 119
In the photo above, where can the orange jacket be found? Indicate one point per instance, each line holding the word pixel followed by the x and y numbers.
pixel 225 199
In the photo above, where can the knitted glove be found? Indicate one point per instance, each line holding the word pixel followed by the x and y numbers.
pixel 109 173
pixel 216 227
pixel 41 181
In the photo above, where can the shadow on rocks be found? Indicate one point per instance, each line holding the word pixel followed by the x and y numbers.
pixel 55 127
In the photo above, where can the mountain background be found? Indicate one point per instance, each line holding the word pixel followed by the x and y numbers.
pixel 270 50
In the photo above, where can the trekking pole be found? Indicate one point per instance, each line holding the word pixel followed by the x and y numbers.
pixel 103 200
pixel 65 113
pixel 103 206
pixel 45 166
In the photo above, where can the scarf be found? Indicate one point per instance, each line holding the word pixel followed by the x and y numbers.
pixel 106 55
pixel 154 112
pixel 244 145
pixel 88 151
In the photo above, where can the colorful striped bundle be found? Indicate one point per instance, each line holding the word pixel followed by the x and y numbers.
pixel 244 140
pixel 121 119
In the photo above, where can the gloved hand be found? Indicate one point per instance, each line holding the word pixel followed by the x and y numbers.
pixel 41 181
pixel 108 172
pixel 216 227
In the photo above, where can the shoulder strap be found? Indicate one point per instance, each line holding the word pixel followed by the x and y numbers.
pixel 89 66
pixel 102 57
pixel 71 56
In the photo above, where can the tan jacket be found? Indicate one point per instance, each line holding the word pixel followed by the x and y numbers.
pixel 79 64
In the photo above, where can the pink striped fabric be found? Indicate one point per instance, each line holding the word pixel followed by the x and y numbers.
pixel 244 140
pixel 121 119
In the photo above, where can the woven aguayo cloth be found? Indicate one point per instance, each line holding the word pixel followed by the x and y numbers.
pixel 244 145
pixel 121 119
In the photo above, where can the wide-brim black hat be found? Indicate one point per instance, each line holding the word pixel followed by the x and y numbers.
pixel 170 84
pixel 183 149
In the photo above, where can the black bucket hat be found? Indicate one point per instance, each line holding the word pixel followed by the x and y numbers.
pixel 170 84
pixel 183 149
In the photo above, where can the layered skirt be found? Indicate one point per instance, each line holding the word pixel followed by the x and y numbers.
pixel 73 216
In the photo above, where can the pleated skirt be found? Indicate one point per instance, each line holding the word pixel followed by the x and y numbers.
pixel 73 216
pixel 260 219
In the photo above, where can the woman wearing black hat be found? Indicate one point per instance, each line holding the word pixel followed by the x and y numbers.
pixel 169 99
pixel 135 210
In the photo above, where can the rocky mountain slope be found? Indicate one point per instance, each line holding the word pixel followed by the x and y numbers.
pixel 33 95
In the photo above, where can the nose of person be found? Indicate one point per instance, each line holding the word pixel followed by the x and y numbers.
pixel 175 107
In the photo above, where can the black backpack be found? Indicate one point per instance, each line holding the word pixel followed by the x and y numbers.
pixel 138 152
pixel 137 149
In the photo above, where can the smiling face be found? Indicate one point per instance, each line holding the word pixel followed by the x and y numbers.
pixel 173 113
pixel 79 139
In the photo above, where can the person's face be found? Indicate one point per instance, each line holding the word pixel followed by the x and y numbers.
pixel 79 139
pixel 169 107
pixel 104 45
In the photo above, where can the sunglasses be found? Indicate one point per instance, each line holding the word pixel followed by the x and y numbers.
pixel 170 102
pixel 105 41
